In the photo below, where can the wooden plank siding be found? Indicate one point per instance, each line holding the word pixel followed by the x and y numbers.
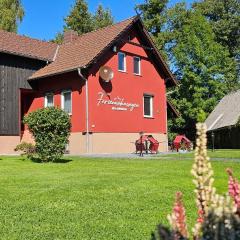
pixel 14 72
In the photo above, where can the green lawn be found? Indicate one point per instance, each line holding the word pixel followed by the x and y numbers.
pixel 219 153
pixel 94 198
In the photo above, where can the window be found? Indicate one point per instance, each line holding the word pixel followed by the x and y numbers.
pixel 66 101
pixel 49 100
pixel 148 105
pixel 121 62
pixel 137 65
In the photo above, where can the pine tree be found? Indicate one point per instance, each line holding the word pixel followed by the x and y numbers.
pixel 153 14
pixel 102 18
pixel 79 19
pixel 11 13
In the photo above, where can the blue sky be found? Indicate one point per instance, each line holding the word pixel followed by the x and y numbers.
pixel 44 18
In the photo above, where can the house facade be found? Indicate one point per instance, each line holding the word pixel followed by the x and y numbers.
pixel 106 116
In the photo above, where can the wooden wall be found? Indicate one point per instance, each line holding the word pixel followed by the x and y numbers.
pixel 14 72
pixel 226 138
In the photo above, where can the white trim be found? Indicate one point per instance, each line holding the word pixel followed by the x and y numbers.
pixel 124 62
pixel 215 122
pixel 151 106
pixel 62 100
pixel 46 100
pixel 139 65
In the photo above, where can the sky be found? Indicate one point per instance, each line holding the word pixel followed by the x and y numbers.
pixel 45 18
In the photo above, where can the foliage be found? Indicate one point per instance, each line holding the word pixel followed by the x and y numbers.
pixel 11 13
pixel 102 18
pixel 58 38
pixel 153 15
pixel 26 149
pixel 204 68
pixel 82 21
pixel 50 128
pixel 202 64
pixel 79 19
pixel 218 215
pixel 224 17
pixel 226 226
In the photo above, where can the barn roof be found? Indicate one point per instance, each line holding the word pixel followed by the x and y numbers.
pixel 226 113
pixel 13 43
pixel 85 49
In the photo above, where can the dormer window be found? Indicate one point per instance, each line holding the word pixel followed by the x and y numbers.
pixel 137 65
pixel 121 62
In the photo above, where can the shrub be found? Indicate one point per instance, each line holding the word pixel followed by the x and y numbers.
pixel 218 216
pixel 50 128
pixel 26 149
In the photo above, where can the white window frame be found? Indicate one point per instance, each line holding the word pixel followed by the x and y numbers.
pixel 151 106
pixel 46 99
pixel 139 65
pixel 62 99
pixel 124 62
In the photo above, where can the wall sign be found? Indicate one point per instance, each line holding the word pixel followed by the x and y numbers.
pixel 118 103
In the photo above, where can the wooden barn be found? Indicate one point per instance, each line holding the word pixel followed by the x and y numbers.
pixel 223 123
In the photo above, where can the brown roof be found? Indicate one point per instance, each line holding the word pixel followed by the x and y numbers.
pixel 24 46
pixel 87 47
pixel 226 113
pixel 83 50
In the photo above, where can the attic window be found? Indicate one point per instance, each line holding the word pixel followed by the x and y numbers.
pixel 137 65
pixel 121 62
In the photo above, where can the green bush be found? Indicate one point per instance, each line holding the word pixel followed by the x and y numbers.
pixel 50 128
pixel 26 149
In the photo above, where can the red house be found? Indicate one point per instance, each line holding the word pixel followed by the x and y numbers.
pixel 106 116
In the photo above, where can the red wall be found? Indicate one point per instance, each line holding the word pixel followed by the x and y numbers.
pixel 56 85
pixel 124 85
pixel 131 88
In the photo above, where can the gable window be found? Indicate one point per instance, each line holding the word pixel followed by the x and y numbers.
pixel 148 106
pixel 121 62
pixel 137 65
pixel 66 101
pixel 49 100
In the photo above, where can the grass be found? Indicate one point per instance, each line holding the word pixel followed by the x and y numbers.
pixel 218 153
pixel 94 198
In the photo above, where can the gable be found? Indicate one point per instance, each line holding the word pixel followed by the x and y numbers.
pixel 88 48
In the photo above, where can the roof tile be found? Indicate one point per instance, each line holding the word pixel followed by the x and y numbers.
pixel 27 47
pixel 83 50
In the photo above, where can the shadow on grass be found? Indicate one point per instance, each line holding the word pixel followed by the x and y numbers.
pixel 38 160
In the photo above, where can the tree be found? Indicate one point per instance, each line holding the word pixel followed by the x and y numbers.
pixel 50 128
pixel 204 67
pixel 224 16
pixel 11 13
pixel 82 21
pixel 102 18
pixel 153 15
pixel 79 19
pixel 58 38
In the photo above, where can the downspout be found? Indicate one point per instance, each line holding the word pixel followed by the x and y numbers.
pixel 87 108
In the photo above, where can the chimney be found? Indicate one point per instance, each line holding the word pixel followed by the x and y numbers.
pixel 69 36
